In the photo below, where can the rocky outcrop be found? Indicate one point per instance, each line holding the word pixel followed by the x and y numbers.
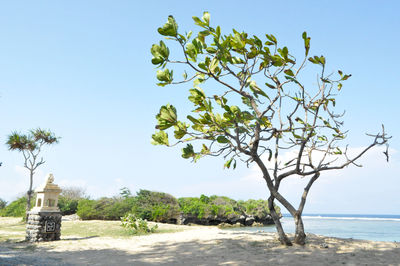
pixel 245 220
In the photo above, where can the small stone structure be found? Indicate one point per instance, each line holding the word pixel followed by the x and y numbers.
pixel 44 220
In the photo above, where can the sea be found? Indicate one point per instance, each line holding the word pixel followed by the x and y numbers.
pixel 356 226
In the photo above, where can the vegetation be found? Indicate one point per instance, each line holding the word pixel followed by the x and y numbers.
pixel 257 208
pixel 69 199
pixel 13 229
pixel 156 206
pixel 209 206
pixel 31 145
pixel 3 203
pixel 254 104
pixel 136 225
pixel 224 209
pixel 17 208
pixel 103 208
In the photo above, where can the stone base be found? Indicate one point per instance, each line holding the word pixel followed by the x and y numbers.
pixel 43 226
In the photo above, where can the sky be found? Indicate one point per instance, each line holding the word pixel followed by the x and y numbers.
pixel 82 69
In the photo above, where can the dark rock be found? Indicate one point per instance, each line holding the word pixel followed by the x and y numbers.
pixel 249 220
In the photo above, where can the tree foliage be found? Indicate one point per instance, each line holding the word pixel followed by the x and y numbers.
pixel 155 206
pixel 249 100
pixel 30 145
pixel 69 199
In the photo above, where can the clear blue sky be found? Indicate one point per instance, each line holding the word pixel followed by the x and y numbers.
pixel 82 69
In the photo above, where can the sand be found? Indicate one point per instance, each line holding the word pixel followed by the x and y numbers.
pixel 200 245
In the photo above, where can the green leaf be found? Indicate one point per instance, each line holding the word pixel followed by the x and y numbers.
pixel 165 75
pixel 222 139
pixel 191 51
pixel 322 60
pixel 170 28
pixel 197 96
pixel 345 77
pixel 193 120
pixel 237 42
pixel 160 138
pixel 180 130
pixel 167 117
pixel 271 38
pixel 270 86
pixel 284 52
pixel 298 119
pixel 237 60
pixel 205 150
pixel 338 151
pixel 206 18
pixel 306 42
pixel 211 50
pixel 256 90
pixel 296 136
pixel 213 65
pixel 188 151
pixel 198 21
pixel 228 163
pixel 313 60
pixel 160 53
pixel 289 72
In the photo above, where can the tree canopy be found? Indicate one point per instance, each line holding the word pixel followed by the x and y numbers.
pixel 249 99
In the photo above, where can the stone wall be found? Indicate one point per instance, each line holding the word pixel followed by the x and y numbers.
pixel 43 226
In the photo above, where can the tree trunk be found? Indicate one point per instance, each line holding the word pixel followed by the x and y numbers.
pixel 29 196
pixel 300 236
pixel 282 236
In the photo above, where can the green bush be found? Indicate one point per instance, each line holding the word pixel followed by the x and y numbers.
pixel 3 204
pixel 69 199
pixel 67 206
pixel 17 208
pixel 103 208
pixel 209 206
pixel 136 225
pixel 257 208
pixel 86 209
pixel 156 206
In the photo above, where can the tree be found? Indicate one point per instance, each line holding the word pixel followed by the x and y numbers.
pixel 256 108
pixel 31 145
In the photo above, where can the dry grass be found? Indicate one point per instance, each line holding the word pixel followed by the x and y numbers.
pixel 13 229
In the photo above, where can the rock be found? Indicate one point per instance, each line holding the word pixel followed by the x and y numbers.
pixel 249 220
pixel 72 217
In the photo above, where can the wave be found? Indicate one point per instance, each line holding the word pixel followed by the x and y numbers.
pixel 353 218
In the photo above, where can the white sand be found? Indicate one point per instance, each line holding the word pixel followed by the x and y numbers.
pixel 197 245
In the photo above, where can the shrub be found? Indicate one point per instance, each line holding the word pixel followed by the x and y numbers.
pixel 103 208
pixel 136 225
pixel 67 206
pixel 3 204
pixel 156 206
pixel 257 208
pixel 86 209
pixel 209 206
pixel 69 198
pixel 17 208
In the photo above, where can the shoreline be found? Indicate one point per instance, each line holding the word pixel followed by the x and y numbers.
pixel 199 245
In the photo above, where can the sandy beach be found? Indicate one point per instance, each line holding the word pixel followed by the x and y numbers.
pixel 199 245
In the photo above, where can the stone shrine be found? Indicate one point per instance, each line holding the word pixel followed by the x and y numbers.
pixel 44 219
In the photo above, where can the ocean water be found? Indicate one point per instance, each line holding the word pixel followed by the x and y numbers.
pixel 367 227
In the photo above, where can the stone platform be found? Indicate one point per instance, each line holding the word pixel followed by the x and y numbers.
pixel 43 226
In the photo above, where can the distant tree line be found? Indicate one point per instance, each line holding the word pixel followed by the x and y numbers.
pixel 154 206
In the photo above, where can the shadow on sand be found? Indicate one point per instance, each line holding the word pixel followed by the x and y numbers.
pixel 214 252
